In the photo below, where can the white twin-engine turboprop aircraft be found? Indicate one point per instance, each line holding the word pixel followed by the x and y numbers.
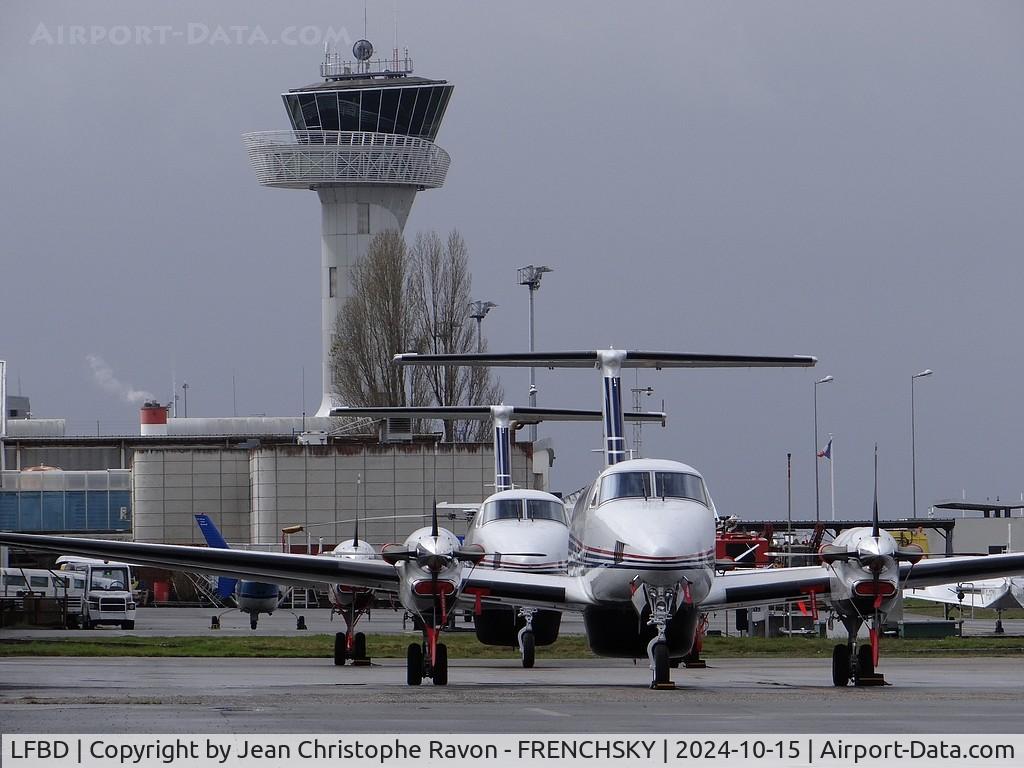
pixel 641 551
pixel 519 529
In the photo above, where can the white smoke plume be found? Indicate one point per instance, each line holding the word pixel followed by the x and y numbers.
pixel 104 376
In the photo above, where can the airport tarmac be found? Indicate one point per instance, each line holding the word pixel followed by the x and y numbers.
pixel 184 622
pixel 174 695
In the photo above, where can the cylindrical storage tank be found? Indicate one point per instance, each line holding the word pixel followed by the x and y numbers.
pixel 153 419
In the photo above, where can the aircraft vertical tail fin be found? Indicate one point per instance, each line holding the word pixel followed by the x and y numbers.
pixel 215 540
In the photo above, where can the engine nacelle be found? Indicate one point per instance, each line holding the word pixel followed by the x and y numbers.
pixel 619 633
pixel 500 626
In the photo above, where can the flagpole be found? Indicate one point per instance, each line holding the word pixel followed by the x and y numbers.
pixel 832 474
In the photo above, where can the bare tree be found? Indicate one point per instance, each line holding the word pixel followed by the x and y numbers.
pixel 441 288
pixel 378 320
pixel 411 300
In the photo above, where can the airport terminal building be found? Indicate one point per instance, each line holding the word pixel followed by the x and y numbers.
pixel 253 477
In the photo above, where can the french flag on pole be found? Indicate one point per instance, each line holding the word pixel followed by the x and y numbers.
pixel 826 452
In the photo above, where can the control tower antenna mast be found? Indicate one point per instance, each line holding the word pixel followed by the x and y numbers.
pixel 363 139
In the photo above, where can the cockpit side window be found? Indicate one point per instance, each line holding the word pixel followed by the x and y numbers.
pixel 679 485
pixel 543 509
pixel 500 509
pixel 626 485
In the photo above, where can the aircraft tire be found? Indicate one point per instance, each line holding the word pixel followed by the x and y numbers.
pixel 529 650
pixel 253 621
pixel 865 661
pixel 340 650
pixel 840 665
pixel 661 667
pixel 441 665
pixel 414 664
pixel 359 646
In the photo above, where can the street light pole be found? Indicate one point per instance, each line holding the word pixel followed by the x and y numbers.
pixel 817 491
pixel 530 276
pixel 913 436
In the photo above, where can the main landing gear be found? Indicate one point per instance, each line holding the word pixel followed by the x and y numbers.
pixel 351 645
pixel 855 661
pixel 427 660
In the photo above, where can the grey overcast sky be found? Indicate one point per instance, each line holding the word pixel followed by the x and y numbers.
pixel 837 179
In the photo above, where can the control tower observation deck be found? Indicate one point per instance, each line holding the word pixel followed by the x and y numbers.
pixel 363 140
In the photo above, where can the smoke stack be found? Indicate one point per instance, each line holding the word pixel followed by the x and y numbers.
pixel 153 419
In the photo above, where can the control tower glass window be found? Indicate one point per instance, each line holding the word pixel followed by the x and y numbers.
pixel 370 111
pixel 408 110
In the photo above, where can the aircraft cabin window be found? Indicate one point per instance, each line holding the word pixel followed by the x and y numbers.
pixel 679 485
pixel 626 485
pixel 542 509
pixel 500 509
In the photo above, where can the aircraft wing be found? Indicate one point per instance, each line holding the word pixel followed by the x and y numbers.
pixel 276 567
pixel 757 586
pixel 736 589
pixel 947 570
pixel 536 590
pixel 994 594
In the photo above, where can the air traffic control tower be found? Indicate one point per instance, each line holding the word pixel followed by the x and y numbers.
pixel 363 140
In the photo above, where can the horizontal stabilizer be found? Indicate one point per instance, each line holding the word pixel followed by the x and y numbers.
pixel 630 359
pixel 523 415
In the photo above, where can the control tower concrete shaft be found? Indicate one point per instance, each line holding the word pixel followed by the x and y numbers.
pixel 363 140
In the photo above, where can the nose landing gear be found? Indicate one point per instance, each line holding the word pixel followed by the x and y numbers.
pixel 856 661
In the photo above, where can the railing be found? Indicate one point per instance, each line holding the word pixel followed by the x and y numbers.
pixel 302 159
pixel 336 68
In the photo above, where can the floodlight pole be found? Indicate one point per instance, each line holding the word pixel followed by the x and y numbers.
pixel 817 492
pixel 530 276
pixel 913 436
pixel 478 311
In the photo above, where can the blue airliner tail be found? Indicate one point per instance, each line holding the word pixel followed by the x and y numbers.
pixel 215 540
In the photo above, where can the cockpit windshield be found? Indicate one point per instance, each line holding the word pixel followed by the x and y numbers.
pixel 679 485
pixel 544 509
pixel 522 509
pixel 626 485
pixel 500 509
pixel 631 485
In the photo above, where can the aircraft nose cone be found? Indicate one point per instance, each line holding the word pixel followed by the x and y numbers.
pixel 432 555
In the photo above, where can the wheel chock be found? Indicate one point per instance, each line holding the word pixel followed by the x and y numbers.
pixel 868 681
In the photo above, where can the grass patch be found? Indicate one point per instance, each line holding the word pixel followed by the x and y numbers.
pixel 465 646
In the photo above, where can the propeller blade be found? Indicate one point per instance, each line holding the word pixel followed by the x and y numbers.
pixel 911 553
pixel 830 553
pixel 433 520
pixel 393 554
pixel 471 553
pixel 874 518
